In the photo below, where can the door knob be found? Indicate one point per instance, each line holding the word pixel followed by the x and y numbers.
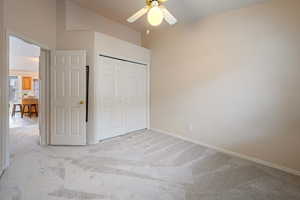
pixel 81 102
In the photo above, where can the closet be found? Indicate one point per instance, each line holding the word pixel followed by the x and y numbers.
pixel 122 96
pixel 119 88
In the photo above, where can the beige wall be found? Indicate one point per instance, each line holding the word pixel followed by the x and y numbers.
pixel 76 40
pixel 71 40
pixel 36 20
pixel 2 115
pixel 78 18
pixel 232 81
pixel 33 19
pixel 1 46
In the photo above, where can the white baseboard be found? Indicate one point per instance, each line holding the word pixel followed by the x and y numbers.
pixel 231 153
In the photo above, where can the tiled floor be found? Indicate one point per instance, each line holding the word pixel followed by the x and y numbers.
pixel 18 122
pixel 144 165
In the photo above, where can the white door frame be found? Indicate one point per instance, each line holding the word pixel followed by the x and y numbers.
pixel 44 103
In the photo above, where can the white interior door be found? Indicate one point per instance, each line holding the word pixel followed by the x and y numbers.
pixel 122 93
pixel 68 95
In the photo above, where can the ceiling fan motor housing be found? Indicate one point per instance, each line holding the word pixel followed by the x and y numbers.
pixel 153 3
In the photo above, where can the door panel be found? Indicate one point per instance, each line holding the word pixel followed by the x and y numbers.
pixel 142 98
pixel 68 94
pixel 130 84
pixel 75 117
pixel 122 97
pixel 111 117
pixel 135 95
pixel 60 120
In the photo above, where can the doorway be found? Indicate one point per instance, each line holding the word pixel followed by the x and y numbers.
pixel 26 96
pixel 23 93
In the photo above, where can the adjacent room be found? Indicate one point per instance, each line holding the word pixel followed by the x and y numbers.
pixel 23 93
pixel 23 83
pixel 149 100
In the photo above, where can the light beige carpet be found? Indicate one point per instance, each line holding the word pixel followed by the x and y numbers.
pixel 140 166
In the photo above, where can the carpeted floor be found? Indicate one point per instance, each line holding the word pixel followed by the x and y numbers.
pixel 143 165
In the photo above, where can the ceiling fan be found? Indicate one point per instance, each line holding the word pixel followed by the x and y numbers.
pixel 156 13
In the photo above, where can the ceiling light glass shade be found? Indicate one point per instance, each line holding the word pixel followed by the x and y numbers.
pixel 155 16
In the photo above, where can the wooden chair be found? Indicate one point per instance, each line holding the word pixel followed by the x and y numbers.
pixel 14 109
pixel 34 110
pixel 30 106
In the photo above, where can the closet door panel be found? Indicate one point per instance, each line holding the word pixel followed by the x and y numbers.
pixel 130 97
pixel 123 97
pixel 141 98
pixel 135 96
pixel 111 121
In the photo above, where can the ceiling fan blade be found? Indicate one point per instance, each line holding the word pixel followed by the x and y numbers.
pixel 137 15
pixel 168 16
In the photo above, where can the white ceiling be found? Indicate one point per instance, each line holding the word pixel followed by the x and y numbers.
pixel 23 56
pixel 184 10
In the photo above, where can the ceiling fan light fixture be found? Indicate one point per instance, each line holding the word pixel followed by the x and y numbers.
pixel 156 13
pixel 155 16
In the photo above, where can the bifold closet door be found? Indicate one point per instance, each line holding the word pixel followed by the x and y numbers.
pixel 133 92
pixel 122 94
pixel 111 121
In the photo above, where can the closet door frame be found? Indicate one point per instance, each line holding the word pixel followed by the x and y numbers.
pixel 147 82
